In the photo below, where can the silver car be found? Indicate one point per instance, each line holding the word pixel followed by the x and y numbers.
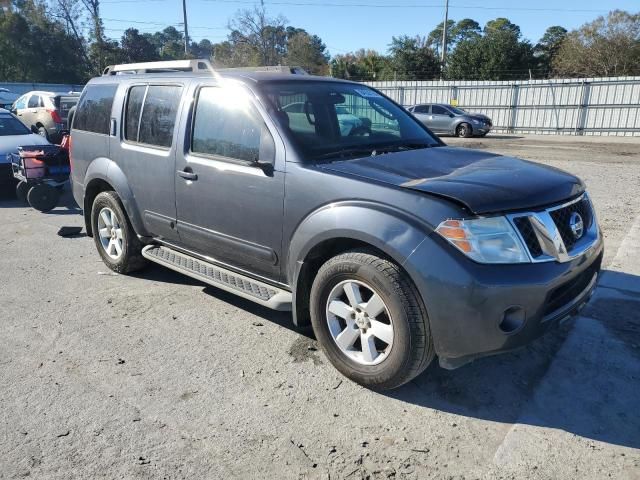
pixel 449 120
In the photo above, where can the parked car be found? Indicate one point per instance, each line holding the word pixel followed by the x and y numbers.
pixel 7 97
pixel 449 120
pixel 393 246
pixel 13 134
pixel 46 112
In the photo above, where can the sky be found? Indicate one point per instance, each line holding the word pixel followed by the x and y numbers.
pixel 347 25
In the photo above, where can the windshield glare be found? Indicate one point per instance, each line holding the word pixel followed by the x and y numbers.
pixel 11 126
pixel 331 117
pixel 457 111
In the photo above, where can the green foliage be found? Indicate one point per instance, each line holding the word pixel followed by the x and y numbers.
pixel 548 46
pixel 412 58
pixel 608 46
pixel 497 54
pixel 36 49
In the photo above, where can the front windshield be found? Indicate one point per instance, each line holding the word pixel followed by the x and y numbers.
pixel 11 126
pixel 330 119
pixel 457 111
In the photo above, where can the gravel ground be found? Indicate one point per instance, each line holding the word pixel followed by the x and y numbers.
pixel 157 376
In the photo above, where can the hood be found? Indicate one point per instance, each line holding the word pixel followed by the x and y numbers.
pixel 482 182
pixel 10 143
pixel 479 116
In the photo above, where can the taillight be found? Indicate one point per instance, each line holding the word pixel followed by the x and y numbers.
pixel 55 116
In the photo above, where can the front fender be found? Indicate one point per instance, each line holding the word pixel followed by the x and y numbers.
pixel 393 231
pixel 106 170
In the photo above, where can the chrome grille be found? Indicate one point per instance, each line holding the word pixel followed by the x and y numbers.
pixel 548 235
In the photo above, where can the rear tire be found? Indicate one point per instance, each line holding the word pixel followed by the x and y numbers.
pixel 464 130
pixel 42 197
pixel 380 340
pixel 22 190
pixel 115 239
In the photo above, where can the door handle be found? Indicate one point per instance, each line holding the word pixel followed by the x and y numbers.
pixel 188 175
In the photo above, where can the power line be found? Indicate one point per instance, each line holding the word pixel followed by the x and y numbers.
pixel 390 5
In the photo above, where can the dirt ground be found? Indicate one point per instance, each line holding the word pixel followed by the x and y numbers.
pixel 158 376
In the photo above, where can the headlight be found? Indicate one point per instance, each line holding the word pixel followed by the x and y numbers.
pixel 485 240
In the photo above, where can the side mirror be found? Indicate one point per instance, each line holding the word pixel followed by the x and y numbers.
pixel 451 115
pixel 34 129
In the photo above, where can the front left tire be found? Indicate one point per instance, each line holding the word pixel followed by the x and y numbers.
pixel 370 321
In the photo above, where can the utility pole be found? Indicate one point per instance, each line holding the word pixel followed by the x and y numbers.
pixel 186 30
pixel 443 56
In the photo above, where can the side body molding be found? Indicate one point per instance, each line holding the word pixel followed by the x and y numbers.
pixel 395 232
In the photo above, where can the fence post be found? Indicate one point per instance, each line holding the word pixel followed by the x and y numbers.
pixel 584 107
pixel 401 96
pixel 515 94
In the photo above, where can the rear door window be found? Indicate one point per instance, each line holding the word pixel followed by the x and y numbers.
pixel 151 112
pixel 421 109
pixel 34 101
pixel 94 109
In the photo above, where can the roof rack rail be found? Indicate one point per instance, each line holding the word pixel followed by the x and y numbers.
pixel 294 70
pixel 197 65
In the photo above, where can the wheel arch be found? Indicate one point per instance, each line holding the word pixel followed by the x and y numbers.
pixel 105 175
pixel 390 233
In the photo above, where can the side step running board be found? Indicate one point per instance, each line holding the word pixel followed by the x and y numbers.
pixel 246 287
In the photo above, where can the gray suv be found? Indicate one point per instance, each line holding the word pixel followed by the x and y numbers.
pixel 450 120
pixel 393 246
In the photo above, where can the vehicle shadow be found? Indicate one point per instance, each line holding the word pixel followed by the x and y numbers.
pixel 583 377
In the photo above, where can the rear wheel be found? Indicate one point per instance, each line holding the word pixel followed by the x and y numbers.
pixel 369 320
pixel 464 130
pixel 22 190
pixel 115 239
pixel 43 197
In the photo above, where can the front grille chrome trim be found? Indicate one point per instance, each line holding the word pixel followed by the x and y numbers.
pixel 548 234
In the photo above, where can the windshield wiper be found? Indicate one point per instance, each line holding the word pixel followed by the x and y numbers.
pixel 346 152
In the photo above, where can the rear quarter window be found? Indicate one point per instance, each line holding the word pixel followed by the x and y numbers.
pixel 94 109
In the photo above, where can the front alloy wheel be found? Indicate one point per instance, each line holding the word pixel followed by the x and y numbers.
pixel 359 322
pixel 369 319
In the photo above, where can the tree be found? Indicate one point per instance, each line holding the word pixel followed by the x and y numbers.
pixel 608 46
pixel 412 59
pixel 137 48
pixel 363 65
pixel 497 54
pixel 265 35
pixel 434 39
pixel 548 46
pixel 466 29
pixel 307 51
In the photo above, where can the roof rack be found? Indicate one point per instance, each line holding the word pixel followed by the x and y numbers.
pixel 198 65
pixel 293 70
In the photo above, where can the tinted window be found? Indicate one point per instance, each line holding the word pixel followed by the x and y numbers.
pixel 421 109
pixel 94 109
pixel 159 115
pixel 10 126
pixel 34 102
pixel 132 115
pixel 64 104
pixel 227 125
pixel 438 110
pixel 338 117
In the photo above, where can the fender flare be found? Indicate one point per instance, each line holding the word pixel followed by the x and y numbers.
pixel 394 232
pixel 106 170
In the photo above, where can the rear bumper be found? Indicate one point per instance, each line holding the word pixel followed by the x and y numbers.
pixel 478 310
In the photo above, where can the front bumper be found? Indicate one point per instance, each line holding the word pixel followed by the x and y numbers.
pixel 477 310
